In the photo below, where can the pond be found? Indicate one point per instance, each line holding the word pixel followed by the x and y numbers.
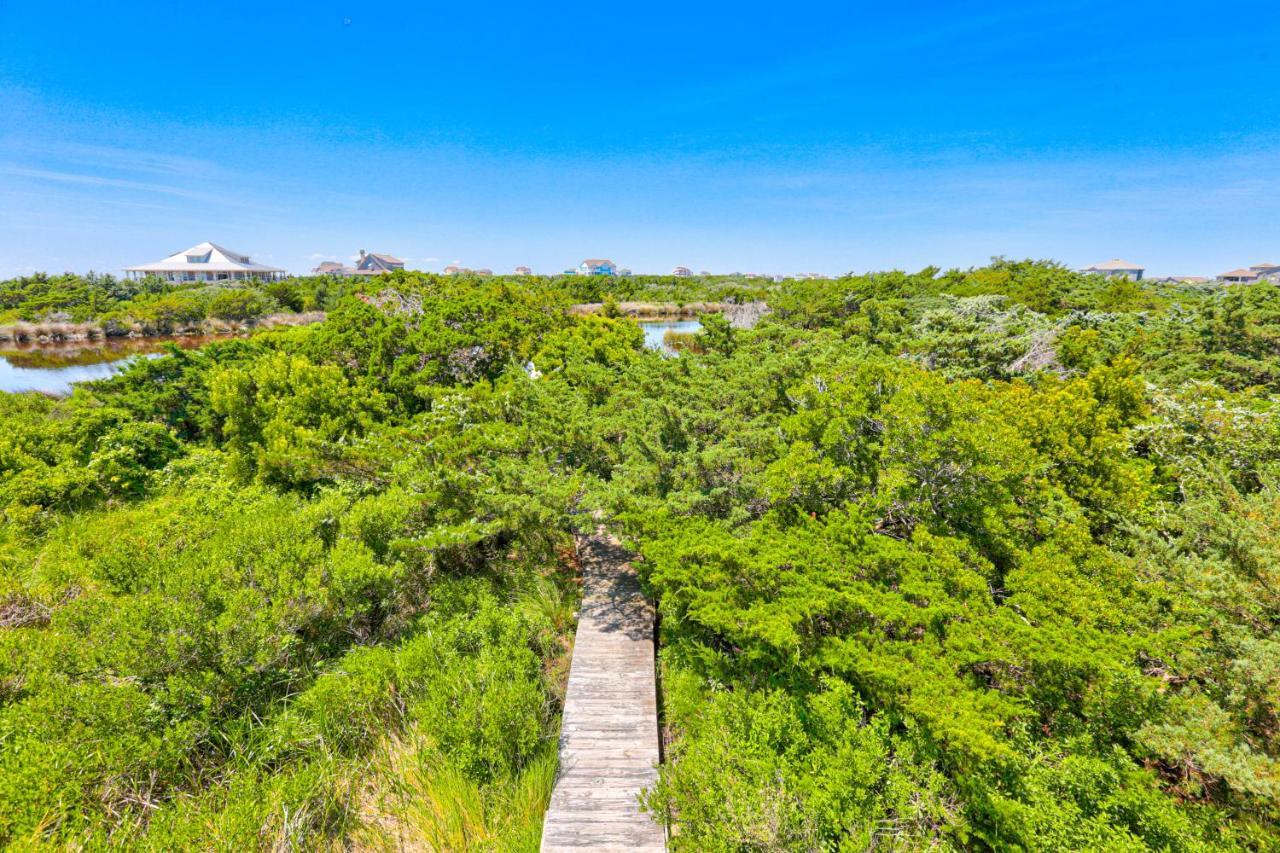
pixel 656 329
pixel 53 368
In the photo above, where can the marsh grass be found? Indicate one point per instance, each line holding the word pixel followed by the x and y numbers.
pixel 59 332
pixel 414 799
pixel 49 331
pixel 652 310
pixel 683 342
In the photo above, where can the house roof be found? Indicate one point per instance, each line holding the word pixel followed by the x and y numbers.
pixel 391 259
pixel 219 260
pixel 1240 273
pixel 1264 266
pixel 597 262
pixel 1115 264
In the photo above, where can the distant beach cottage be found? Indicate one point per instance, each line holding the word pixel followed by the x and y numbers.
pixel 206 262
pixel 375 263
pixel 1181 279
pixel 597 266
pixel 523 271
pixel 682 272
pixel 371 263
pixel 1117 267
pixel 1270 272
pixel 1240 276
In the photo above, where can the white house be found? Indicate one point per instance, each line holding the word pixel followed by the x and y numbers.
pixel 206 262
pixel 1116 267
pixel 597 266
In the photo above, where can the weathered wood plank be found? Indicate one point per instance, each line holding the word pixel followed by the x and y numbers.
pixel 609 736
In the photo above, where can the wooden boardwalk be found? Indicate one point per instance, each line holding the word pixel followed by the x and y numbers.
pixel 609 736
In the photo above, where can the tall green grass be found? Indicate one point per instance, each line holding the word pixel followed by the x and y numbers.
pixel 416 799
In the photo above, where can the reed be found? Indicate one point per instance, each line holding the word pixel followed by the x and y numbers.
pixel 683 342
pixel 653 310
pixel 24 332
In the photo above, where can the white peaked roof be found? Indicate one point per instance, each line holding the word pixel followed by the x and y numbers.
pixel 1115 264
pixel 205 256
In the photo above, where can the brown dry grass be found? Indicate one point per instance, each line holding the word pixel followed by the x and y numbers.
pixel 653 310
pixel 23 332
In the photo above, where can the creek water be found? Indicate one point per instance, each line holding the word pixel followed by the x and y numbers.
pixel 53 368
pixel 655 330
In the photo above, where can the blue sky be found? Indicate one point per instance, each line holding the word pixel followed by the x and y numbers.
pixel 730 137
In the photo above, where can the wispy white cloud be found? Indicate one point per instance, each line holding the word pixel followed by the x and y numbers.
pixel 135 160
pixel 127 184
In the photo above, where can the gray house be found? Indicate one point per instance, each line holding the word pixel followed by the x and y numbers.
pixel 369 263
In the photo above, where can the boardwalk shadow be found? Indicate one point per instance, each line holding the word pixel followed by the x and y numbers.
pixel 612 594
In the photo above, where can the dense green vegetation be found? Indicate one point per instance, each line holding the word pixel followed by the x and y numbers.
pixel 976 559
pixel 154 306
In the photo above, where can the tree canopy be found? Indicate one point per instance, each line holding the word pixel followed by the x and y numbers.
pixel 979 559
